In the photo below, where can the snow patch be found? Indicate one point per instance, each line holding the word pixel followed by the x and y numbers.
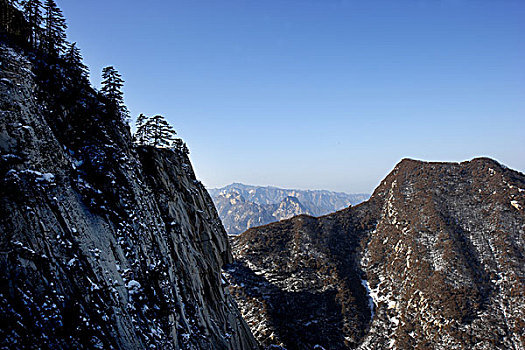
pixel 133 287
pixel 371 304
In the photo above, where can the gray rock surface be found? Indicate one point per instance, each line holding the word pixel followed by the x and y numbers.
pixel 102 245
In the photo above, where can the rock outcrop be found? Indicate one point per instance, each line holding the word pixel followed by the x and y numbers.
pixel 242 206
pixel 434 260
pixel 103 245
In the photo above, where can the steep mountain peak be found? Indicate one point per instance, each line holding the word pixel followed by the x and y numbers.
pixel 411 171
pixel 434 259
pixel 290 206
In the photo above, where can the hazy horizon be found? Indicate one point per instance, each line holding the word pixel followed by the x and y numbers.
pixel 279 187
pixel 347 192
pixel 317 94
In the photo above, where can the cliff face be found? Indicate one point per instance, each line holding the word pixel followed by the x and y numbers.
pixel 434 260
pixel 102 245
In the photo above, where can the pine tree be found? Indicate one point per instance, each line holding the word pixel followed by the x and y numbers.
pixel 8 9
pixel 180 146
pixel 162 133
pixel 33 14
pixel 112 84
pixel 155 131
pixel 140 135
pixel 184 149
pixel 54 32
pixel 74 60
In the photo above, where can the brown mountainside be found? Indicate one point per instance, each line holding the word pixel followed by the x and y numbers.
pixel 435 259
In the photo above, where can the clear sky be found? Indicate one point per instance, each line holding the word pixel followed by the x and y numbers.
pixel 318 94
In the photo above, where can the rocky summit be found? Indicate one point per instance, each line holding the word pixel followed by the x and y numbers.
pixel 242 206
pixel 434 260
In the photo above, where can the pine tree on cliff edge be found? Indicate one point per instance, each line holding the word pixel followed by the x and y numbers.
pixel 162 133
pixel 140 135
pixel 112 84
pixel 74 60
pixel 155 131
pixel 33 15
pixel 54 32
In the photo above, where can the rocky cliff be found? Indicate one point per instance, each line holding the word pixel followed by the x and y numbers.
pixel 434 260
pixel 242 206
pixel 103 245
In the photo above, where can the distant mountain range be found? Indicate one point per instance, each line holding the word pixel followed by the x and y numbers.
pixel 243 206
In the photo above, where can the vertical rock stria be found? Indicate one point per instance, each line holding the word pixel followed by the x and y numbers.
pixel 102 245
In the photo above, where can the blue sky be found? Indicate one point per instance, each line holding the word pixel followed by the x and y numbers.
pixel 318 94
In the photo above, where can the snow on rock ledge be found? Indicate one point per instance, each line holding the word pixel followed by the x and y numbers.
pixel 103 245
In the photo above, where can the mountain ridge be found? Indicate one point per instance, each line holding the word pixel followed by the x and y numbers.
pixel 243 206
pixel 215 190
pixel 106 244
pixel 450 234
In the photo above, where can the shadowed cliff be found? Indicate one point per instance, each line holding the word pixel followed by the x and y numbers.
pixel 103 244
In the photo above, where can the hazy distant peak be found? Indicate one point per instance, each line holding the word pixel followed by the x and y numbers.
pixel 243 206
